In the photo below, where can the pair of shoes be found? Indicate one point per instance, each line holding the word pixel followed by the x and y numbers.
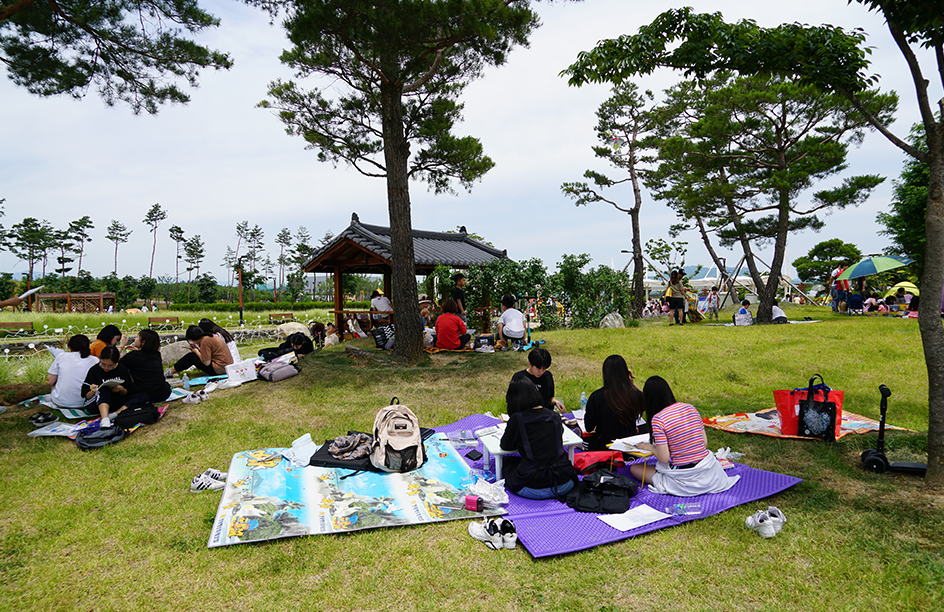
pixel 485 349
pixel 215 474
pixel 202 482
pixel 495 533
pixel 767 523
pixel 488 532
pixel 196 397
pixel 41 419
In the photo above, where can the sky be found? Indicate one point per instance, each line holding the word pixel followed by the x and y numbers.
pixel 220 160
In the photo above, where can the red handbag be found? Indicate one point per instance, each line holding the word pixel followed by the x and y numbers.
pixel 589 462
pixel 788 405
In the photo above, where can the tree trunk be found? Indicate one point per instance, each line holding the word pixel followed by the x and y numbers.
pixel 409 342
pixel 929 309
pixel 639 291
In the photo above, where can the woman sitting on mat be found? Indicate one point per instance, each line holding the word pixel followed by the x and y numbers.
pixel 105 397
pixel 685 467
pixel 543 471
pixel 207 352
pixel 450 329
pixel 614 411
pixel 145 366
pixel 212 328
pixel 68 371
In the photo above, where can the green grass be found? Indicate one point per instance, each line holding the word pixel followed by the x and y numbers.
pixel 118 529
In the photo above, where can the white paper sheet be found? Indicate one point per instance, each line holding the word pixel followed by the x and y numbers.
pixel 31 291
pixel 633 518
pixel 628 445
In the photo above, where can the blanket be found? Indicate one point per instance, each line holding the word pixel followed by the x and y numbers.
pixel 267 498
pixel 549 527
pixel 767 423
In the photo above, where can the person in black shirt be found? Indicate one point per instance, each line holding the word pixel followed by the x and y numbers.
pixel 612 412
pixel 145 366
pixel 459 295
pixel 537 373
pixel 543 471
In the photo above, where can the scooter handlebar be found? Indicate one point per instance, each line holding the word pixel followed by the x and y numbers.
pixel 885 391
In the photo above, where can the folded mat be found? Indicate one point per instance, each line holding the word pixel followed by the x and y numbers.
pixel 767 423
pixel 549 527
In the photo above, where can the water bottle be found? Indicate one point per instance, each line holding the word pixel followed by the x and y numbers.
pixel 583 400
pixel 684 508
pixel 186 383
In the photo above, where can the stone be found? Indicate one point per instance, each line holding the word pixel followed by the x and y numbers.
pixel 614 320
pixel 287 329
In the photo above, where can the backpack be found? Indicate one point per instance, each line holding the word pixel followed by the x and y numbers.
pixel 602 491
pixel 398 443
pixel 87 440
pixel 146 414
pixel 276 371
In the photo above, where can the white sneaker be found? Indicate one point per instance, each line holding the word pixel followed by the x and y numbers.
pixel 192 398
pixel 509 533
pixel 229 383
pixel 202 482
pixel 203 395
pixel 106 422
pixel 776 517
pixel 215 474
pixel 761 523
pixel 211 387
pixel 487 532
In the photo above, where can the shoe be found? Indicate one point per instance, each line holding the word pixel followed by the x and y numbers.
pixel 106 422
pixel 776 517
pixel 41 419
pixel 761 523
pixel 487 532
pixel 192 398
pixel 229 383
pixel 203 395
pixel 202 482
pixel 509 533
pixel 169 372
pixel 215 474
pixel 211 387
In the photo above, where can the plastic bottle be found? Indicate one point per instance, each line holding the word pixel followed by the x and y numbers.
pixel 684 508
pixel 186 383
pixel 583 400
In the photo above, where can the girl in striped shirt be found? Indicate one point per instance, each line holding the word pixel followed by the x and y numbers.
pixel 685 467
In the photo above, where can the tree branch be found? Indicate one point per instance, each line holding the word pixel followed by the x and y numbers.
pixel 19 5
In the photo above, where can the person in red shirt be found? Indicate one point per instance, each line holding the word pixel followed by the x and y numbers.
pixel 450 330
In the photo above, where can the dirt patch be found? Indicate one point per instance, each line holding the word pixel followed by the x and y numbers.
pixel 11 395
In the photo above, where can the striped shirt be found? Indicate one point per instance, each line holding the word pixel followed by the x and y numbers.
pixel 680 427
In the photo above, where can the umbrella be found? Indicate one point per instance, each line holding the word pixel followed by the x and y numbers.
pixel 903 285
pixel 874 265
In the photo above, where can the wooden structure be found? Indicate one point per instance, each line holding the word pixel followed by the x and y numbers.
pixel 17 328
pixel 163 322
pixel 365 249
pixel 75 302
pixel 282 317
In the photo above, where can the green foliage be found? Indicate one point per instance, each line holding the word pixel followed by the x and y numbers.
pixel 131 52
pixel 7 285
pixel 125 289
pixel 818 264
pixel 589 296
pixel 265 306
pixel 207 289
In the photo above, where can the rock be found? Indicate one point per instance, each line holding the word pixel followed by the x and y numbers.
pixel 287 329
pixel 612 321
pixel 171 353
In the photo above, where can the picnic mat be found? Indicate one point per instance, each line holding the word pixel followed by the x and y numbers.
pixel 767 423
pixel 71 430
pixel 82 413
pixel 549 527
pixel 266 498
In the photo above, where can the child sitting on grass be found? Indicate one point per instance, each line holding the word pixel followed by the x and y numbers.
pixel 511 323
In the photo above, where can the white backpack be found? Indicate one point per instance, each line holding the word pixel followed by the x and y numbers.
pixel 398 443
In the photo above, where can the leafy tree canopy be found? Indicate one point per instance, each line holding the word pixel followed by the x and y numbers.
pixel 818 264
pixel 135 52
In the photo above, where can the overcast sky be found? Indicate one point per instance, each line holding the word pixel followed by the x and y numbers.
pixel 219 160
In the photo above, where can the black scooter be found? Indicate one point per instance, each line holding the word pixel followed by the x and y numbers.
pixel 874 459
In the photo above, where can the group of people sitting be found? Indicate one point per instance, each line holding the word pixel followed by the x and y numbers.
pixel 685 467
pixel 113 373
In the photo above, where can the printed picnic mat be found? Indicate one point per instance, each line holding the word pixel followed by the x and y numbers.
pixel 767 423
pixel 266 498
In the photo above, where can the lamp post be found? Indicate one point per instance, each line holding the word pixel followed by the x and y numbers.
pixel 239 264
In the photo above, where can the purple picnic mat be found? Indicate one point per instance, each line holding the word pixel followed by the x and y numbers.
pixel 549 527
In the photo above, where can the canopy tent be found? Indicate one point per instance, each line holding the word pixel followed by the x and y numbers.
pixel 366 249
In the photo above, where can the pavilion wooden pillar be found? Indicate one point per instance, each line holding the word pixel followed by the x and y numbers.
pixel 338 302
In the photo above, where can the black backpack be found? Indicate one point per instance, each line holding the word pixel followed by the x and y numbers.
pixel 100 437
pixel 602 492
pixel 144 414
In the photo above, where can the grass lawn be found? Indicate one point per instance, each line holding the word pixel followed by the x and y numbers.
pixel 118 529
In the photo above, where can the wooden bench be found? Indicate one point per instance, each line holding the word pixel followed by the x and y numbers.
pixel 16 328
pixel 163 322
pixel 284 317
